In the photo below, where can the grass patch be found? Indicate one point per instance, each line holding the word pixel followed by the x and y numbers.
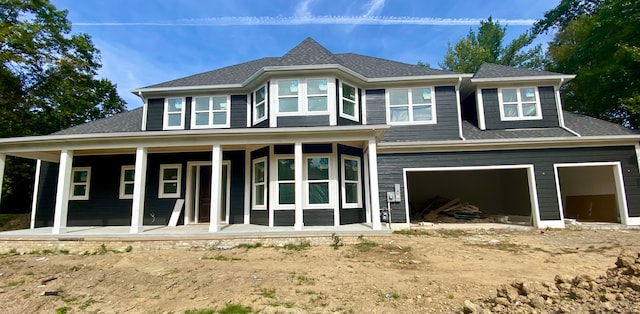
pixel 87 303
pixel 29 273
pixel 11 252
pixel 302 279
pixel 268 293
pixel 103 249
pixel 14 283
pixel 63 310
pixel 365 245
pixel 234 309
pixel 302 245
pixel 220 257
pixel 249 246
pixel 336 241
pixel 413 232
pixel 14 221
pixel 200 311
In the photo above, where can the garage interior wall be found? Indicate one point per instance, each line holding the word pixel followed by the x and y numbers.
pixel 591 189
pixel 495 191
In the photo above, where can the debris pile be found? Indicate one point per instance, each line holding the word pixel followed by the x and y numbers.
pixel 616 292
pixel 441 209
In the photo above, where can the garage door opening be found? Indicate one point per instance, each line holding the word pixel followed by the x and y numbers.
pixel 590 193
pixel 500 194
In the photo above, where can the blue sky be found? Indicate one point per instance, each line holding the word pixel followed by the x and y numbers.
pixel 144 42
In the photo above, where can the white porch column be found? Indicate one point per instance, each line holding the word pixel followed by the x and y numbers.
pixel 373 182
pixel 139 184
pixel 3 159
pixel 298 166
pixel 216 183
pixel 62 192
pixel 36 191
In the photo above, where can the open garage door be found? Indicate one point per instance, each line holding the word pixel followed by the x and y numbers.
pixel 500 193
pixel 591 192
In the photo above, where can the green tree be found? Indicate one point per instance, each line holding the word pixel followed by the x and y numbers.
pixel 565 12
pixel 603 49
pixel 47 82
pixel 470 52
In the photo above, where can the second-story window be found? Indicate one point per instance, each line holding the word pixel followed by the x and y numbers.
pixel 174 113
pixel 297 96
pixel 519 104
pixel 210 112
pixel 349 102
pixel 411 105
pixel 260 105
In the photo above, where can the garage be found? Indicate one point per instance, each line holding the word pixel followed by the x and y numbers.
pixel 591 192
pixel 500 193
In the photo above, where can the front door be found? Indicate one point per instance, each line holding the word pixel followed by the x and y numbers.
pixel 203 193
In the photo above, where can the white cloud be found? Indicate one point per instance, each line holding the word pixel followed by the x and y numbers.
pixel 302 9
pixel 374 7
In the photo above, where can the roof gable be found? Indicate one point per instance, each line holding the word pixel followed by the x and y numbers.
pixel 308 52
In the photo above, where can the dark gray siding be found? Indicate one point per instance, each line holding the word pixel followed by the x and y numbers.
pixel 46 198
pixel 236 174
pixel 155 108
pixel 352 215
pixel 390 171
pixel 187 114
pixel 470 109
pixel 295 121
pixel 446 127
pixel 259 217
pixel 376 106
pixel 284 217
pixel 239 111
pixel 547 104
pixel 318 217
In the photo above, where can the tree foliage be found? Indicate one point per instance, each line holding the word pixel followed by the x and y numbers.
pixel 47 78
pixel 567 11
pixel 603 49
pixel 470 52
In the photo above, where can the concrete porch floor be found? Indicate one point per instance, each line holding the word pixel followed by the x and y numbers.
pixel 196 231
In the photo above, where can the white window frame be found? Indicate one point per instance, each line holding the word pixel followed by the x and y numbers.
pixel 277 181
pixel 211 112
pixel 410 105
pixel 255 105
pixel 329 181
pixel 255 206
pixel 87 184
pixel 165 120
pixel 303 96
pixel 344 182
pixel 162 181
pixel 123 183
pixel 519 103
pixel 356 117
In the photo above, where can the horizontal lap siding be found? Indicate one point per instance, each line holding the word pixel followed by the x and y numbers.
pixel 299 121
pixel 239 111
pixel 547 103
pixel 390 170
pixel 237 176
pixel 283 217
pixel 376 106
pixel 318 217
pixel 155 108
pixel 46 198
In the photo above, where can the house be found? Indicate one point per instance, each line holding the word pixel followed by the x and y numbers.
pixel 315 138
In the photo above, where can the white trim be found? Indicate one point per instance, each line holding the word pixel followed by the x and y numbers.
pixel 551 224
pixel 248 185
pixel 633 221
pixel 343 181
pixel 299 195
pixel 165 114
pixel 227 201
pixel 192 195
pixel 459 108
pixel 367 193
pixel 36 188
pixel 341 98
pixel 303 97
pixel 216 183
pixel 373 183
pixel 519 103
pixel 145 109
pixel 364 105
pixel 522 78
pixel 275 182
pixel 87 184
pixel 162 181
pixel 621 196
pixel 334 185
pixel 61 206
pixel 139 190
pixel 531 180
pixel 480 105
pixel 407 207
pixel 410 106
pixel 253 105
pixel 273 103
pixel 211 112
pixel 329 180
pixel 255 206
pixel 123 183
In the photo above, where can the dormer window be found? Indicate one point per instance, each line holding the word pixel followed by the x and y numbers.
pixel 174 113
pixel 522 103
pixel 411 106
pixel 306 96
pixel 349 102
pixel 260 105
pixel 210 112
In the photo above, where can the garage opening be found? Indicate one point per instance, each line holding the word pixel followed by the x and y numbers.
pixel 590 193
pixel 487 194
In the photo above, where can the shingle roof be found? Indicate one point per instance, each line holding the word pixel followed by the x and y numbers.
pixel 308 52
pixel 471 132
pixel 588 126
pixel 128 121
pixel 490 70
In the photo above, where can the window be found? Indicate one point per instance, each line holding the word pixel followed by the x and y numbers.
pixel 170 181
pixel 349 102
pixel 210 112
pixel 260 105
pixel 314 92
pixel 260 183
pixel 519 104
pixel 317 186
pixel 126 182
pixel 411 105
pixel 174 113
pixel 351 183
pixel 286 182
pixel 80 180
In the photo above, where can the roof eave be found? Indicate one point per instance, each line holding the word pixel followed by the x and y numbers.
pixel 560 77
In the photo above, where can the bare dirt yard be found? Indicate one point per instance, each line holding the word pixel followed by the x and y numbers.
pixel 418 272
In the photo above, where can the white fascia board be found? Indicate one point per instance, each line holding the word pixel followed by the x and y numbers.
pixel 563 77
pixel 186 88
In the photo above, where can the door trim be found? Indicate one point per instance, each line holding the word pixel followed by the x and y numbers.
pixel 191 213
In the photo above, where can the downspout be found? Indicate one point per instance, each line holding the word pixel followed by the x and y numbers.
pixel 560 114
pixel 459 108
